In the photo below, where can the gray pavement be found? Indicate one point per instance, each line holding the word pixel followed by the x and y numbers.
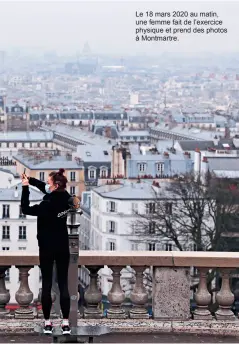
pixel 127 338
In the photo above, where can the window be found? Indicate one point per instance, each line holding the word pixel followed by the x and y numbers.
pixel 92 174
pixel 22 235
pixel 169 208
pixel 151 247
pixel 142 167
pixel 135 208
pixel 5 232
pixel 168 247
pixel 7 275
pixel 152 227
pixel 42 176
pixel 21 215
pixel 73 176
pixel 112 226
pixel 22 248
pixel 112 246
pixel 134 247
pixel 112 207
pixel 72 190
pixel 5 248
pixel 150 208
pixel 104 173
pixel 5 211
pixel 134 227
pixel 160 168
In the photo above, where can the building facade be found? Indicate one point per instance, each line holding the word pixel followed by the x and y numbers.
pixel 114 218
pixel 148 162
pixel 39 164
pixel 96 161
pixel 18 234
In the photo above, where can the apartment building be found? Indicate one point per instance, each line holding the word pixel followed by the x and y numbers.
pixel 96 161
pixel 114 218
pixel 149 161
pixel 12 141
pixel 18 234
pixel 114 211
pixel 39 164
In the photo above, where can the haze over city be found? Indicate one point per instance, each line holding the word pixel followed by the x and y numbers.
pixel 109 27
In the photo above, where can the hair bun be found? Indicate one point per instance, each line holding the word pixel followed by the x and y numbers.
pixel 61 171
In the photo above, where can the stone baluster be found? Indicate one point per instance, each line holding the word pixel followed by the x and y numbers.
pixel 139 296
pixel 53 298
pixel 225 298
pixel 93 296
pixel 236 294
pixel 4 293
pixel 116 296
pixel 202 297
pixel 24 296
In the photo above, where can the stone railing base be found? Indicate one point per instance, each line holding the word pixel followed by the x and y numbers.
pixel 200 327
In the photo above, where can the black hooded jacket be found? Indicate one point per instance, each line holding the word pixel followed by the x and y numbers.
pixel 51 216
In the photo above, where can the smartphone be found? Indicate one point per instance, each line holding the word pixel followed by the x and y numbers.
pixel 24 172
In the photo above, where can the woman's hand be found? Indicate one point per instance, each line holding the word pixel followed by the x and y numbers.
pixel 23 176
pixel 25 181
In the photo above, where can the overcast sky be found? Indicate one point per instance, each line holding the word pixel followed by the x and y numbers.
pixel 109 27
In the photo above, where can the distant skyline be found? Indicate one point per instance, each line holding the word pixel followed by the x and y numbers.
pixel 108 27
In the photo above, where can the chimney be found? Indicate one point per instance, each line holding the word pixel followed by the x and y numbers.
pixel 204 170
pixel 166 155
pixel 27 116
pixel 236 141
pixel 216 140
pixel 16 192
pixel 197 162
pixel 142 150
pixel 187 155
pixel 227 133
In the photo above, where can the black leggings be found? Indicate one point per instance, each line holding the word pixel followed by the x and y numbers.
pixel 47 259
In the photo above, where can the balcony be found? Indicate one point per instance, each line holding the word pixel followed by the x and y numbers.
pixel 171 293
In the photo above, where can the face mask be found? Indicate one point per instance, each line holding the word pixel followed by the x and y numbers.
pixel 47 188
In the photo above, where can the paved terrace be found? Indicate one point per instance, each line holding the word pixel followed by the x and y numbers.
pixel 172 319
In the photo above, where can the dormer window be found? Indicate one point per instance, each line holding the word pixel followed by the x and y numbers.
pixel 92 172
pixel 160 168
pixel 142 167
pixel 103 172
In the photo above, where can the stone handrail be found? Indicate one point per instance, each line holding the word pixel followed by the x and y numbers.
pixel 136 258
pixel 170 277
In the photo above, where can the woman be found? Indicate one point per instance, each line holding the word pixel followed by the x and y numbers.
pixel 52 238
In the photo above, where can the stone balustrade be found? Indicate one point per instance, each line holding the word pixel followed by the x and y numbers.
pixel 171 283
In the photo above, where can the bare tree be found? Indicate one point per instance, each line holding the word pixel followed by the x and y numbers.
pixel 223 211
pixel 188 213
